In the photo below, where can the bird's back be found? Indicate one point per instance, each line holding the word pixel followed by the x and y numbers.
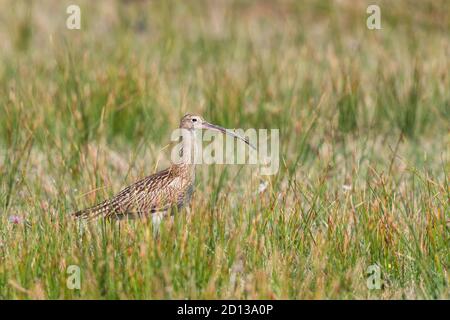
pixel 156 193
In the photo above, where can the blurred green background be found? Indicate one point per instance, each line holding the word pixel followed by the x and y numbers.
pixel 89 111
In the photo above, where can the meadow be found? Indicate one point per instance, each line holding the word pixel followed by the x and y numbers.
pixel 364 120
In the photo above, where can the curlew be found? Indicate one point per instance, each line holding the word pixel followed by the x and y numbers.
pixel 155 195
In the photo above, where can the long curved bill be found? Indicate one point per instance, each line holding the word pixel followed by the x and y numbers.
pixel 210 126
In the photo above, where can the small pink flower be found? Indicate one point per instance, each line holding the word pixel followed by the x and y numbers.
pixel 15 219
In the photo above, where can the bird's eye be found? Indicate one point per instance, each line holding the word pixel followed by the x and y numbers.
pixel 194 120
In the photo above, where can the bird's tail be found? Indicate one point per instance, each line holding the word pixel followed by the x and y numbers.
pixel 93 212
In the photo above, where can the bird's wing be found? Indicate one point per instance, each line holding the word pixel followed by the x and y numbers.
pixel 149 195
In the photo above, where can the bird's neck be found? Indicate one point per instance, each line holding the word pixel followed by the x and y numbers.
pixel 188 152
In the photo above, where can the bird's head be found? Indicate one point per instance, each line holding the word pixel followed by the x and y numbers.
pixel 192 122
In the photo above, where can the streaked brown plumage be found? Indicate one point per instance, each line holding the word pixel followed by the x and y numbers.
pixel 165 190
pixel 159 192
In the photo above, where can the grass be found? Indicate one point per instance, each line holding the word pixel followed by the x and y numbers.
pixel 364 129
